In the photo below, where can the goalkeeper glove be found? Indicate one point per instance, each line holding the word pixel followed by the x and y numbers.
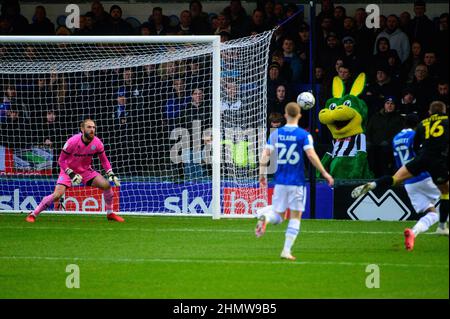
pixel 113 178
pixel 76 178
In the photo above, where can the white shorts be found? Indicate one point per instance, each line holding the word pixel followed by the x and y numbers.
pixel 423 194
pixel 288 196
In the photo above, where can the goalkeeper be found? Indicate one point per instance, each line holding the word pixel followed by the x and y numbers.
pixel 75 162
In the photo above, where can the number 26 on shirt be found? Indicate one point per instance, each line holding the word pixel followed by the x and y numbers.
pixel 287 156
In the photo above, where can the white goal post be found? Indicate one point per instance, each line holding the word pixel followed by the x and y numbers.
pixel 182 118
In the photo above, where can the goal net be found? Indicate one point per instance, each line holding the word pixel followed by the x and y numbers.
pixel 183 120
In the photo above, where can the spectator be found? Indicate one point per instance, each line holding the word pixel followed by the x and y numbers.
pixel 363 36
pixel 421 28
pixel 381 128
pixel 224 25
pixel 415 58
pixel 196 117
pixel 274 80
pixel 85 89
pixel 16 129
pixel 285 70
pixel 274 121
pixel 435 71
pixel 408 103
pixel 326 27
pixel 58 86
pixel 424 88
pixel 120 133
pixel 117 25
pixel 349 28
pixel 269 14
pixel 176 103
pixel 200 24
pixel 281 99
pixel 5 26
pixel 232 106
pixel 9 102
pixel 185 25
pixel 214 20
pixel 382 55
pixel 326 10
pixel 53 132
pixel 145 29
pixel 130 89
pixel 377 31
pixel 332 51
pixel 11 12
pixel 40 97
pixel 41 24
pixel 394 65
pixel 100 17
pixel 224 36
pixel 397 38
pixel 319 74
pixel 198 75
pixel 382 87
pixel 339 15
pixel 291 26
pixel 86 25
pixel 442 93
pixel 291 59
pixel 345 74
pixel 405 21
pixel 351 58
pixel 278 13
pixel 159 22
pixel 257 24
pixel 239 21
pixel 303 51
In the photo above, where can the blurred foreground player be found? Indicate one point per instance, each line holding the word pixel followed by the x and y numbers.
pixel 431 143
pixel 75 162
pixel 421 190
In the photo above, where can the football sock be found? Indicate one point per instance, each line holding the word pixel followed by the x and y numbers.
pixel 425 223
pixel 108 194
pixel 443 210
pixel 384 182
pixel 291 234
pixel 45 203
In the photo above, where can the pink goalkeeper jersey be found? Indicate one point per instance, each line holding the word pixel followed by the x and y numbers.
pixel 77 155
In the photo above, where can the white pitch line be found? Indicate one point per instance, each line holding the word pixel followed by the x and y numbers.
pixel 217 261
pixel 203 230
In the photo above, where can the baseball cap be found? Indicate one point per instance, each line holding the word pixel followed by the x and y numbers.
pixel 389 99
pixel 274 65
pixel 348 39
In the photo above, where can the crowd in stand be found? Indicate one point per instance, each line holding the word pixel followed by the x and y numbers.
pixel 405 59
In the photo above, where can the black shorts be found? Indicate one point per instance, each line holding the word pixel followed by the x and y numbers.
pixel 436 166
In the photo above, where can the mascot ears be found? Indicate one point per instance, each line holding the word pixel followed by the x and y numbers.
pixel 358 85
pixel 338 89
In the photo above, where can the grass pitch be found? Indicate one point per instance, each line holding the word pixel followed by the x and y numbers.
pixel 167 257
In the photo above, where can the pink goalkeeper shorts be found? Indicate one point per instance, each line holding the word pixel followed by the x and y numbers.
pixel 87 176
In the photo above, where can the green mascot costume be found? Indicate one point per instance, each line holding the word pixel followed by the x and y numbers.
pixel 345 115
